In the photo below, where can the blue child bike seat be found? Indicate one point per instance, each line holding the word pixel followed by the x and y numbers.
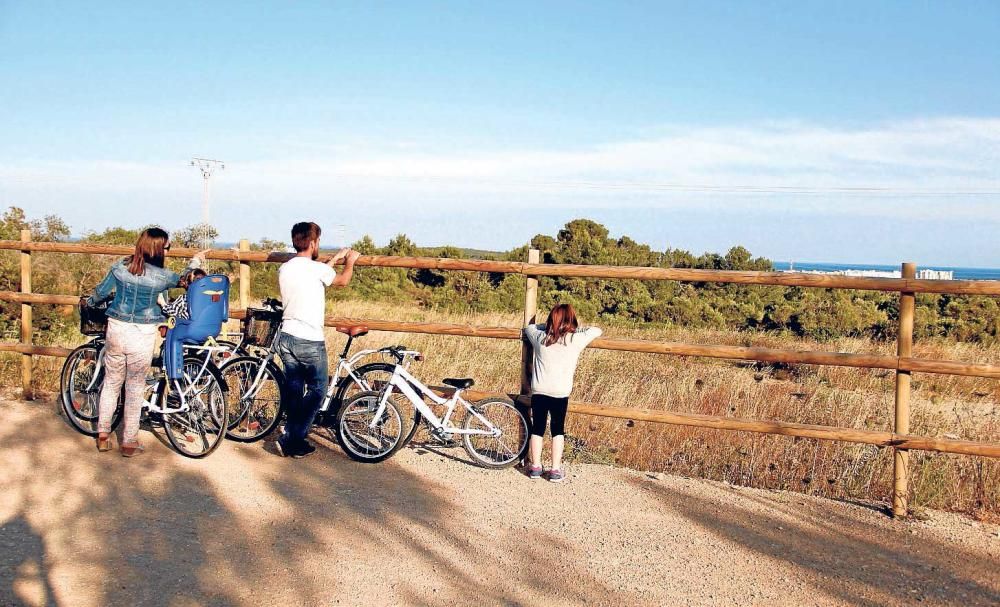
pixel 208 305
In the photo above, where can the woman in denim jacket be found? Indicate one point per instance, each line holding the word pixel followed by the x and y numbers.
pixel 133 316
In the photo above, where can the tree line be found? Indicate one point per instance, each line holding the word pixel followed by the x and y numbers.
pixel 816 313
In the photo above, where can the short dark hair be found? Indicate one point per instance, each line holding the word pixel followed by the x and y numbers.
pixel 303 233
pixel 191 276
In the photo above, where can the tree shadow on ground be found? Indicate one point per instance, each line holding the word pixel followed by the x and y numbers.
pixel 878 562
pixel 246 527
pixel 24 572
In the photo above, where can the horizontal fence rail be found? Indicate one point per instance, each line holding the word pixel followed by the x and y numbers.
pixel 778 279
pixel 903 363
pixel 749 353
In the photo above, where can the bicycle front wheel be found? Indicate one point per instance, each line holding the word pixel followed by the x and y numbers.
pixel 254 406
pixel 507 437
pixel 365 436
pixel 80 390
pixel 374 377
pixel 198 431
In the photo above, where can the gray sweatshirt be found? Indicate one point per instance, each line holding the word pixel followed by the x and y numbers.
pixel 555 365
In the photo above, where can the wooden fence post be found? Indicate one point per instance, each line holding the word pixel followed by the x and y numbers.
pixel 901 425
pixel 26 320
pixel 244 276
pixel 530 311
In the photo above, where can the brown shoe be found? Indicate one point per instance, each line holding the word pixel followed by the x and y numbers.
pixel 104 441
pixel 132 450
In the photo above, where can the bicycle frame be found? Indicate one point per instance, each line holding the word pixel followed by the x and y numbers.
pixel 410 386
pixel 158 394
pixel 345 368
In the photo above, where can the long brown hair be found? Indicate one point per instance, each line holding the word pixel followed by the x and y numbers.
pixel 562 320
pixel 150 248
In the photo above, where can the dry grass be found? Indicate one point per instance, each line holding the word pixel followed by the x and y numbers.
pixel 942 406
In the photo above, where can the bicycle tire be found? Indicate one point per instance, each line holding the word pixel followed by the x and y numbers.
pixel 82 410
pixel 265 424
pixel 352 443
pixel 216 412
pixel 518 426
pixel 364 371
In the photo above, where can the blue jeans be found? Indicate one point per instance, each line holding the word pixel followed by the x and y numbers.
pixel 305 386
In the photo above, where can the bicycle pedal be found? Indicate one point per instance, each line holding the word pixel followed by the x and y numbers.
pixel 444 438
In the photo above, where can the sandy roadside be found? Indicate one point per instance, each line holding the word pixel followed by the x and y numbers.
pixel 245 527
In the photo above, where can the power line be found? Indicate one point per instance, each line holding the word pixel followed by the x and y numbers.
pixel 707 188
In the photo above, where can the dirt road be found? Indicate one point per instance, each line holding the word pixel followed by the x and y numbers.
pixel 245 527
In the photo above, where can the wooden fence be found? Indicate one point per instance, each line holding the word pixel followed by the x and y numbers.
pixel 904 364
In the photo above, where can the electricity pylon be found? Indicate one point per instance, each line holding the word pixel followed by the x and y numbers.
pixel 207 167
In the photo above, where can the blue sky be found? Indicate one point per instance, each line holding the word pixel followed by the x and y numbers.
pixel 865 132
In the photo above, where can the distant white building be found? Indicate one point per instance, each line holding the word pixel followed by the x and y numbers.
pixel 921 274
pixel 936 275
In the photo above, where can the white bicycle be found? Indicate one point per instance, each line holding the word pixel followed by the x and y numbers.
pixel 256 381
pixel 371 428
pixel 192 414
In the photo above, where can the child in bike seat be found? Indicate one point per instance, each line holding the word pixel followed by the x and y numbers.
pixel 178 308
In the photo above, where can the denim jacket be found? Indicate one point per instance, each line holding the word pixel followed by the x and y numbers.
pixel 135 296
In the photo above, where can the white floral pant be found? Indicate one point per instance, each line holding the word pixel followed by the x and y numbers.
pixel 128 352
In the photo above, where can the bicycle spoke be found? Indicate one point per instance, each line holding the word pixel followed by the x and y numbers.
pixel 365 436
pixel 496 450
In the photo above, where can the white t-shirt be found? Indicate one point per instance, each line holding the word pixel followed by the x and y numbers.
pixel 554 366
pixel 303 285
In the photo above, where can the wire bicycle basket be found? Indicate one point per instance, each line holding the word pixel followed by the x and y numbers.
pixel 260 326
pixel 93 319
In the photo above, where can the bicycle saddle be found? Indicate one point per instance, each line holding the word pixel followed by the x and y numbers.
pixel 354 331
pixel 460 383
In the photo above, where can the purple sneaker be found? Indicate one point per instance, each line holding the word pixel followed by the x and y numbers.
pixel 556 476
pixel 534 472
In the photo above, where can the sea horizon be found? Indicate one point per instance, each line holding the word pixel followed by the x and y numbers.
pixel 960 272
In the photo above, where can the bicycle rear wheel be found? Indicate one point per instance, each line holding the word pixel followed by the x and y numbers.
pixel 365 437
pixel 251 419
pixel 80 401
pixel 199 431
pixel 508 446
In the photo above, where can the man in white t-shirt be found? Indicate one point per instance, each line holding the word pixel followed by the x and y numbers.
pixel 302 345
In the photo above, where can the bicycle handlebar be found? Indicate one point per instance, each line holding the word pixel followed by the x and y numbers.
pixel 274 304
pixel 400 353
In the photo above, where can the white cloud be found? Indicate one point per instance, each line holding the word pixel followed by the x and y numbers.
pixel 912 167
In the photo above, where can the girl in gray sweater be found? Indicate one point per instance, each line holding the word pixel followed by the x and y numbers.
pixel 557 345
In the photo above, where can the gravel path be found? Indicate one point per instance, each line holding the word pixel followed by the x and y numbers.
pixel 245 527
